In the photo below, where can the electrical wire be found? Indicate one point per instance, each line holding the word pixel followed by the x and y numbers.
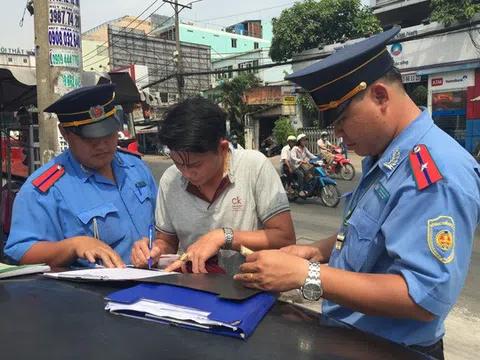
pixel 127 27
pixel 131 32
pixel 245 13
pixel 23 16
pixel 124 29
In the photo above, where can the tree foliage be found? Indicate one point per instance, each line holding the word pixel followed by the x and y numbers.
pixel 447 12
pixel 283 129
pixel 233 93
pixel 231 99
pixel 310 23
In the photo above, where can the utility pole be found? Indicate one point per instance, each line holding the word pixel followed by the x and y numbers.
pixel 47 123
pixel 58 64
pixel 180 80
pixel 178 53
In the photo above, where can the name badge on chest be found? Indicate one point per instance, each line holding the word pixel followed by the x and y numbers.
pixel 381 192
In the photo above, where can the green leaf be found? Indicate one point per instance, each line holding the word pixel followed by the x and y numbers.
pixel 307 24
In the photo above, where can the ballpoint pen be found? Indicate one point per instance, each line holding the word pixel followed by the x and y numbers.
pixel 150 240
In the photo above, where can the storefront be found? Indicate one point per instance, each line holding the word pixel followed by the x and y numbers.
pixel 448 99
pixel 439 71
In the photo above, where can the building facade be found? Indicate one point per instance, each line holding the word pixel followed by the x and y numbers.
pixel 249 61
pixel 222 43
pixel 439 68
pixel 17 57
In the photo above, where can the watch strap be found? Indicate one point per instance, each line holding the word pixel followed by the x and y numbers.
pixel 228 234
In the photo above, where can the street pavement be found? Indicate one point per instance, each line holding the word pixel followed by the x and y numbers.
pixel 314 221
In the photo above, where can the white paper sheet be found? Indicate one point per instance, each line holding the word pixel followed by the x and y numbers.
pixel 109 274
pixel 167 311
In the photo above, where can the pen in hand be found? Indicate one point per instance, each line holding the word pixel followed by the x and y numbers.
pixel 150 240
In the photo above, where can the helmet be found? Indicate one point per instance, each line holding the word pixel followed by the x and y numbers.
pixel 234 137
pixel 324 133
pixel 301 136
pixel 291 138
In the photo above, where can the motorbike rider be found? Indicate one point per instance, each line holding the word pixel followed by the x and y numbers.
pixel 325 147
pixel 301 155
pixel 285 158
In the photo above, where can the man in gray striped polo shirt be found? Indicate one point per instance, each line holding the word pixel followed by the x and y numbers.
pixel 214 200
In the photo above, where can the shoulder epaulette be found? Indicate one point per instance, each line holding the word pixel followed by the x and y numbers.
pixel 130 152
pixel 46 180
pixel 425 171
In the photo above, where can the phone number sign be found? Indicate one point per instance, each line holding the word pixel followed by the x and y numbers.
pixel 64 15
pixel 64 36
pixel 65 58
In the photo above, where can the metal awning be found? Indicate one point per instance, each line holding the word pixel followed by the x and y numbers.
pixel 18 87
pixel 126 92
pixel 150 129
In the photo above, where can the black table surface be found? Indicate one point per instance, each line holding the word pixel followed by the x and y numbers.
pixel 50 319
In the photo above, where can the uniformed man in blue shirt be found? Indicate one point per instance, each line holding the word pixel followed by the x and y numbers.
pixel 93 201
pixel 399 261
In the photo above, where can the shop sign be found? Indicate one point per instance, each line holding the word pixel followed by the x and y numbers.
pixel 453 80
pixel 289 100
pixel 268 95
pixel 411 78
pixel 16 51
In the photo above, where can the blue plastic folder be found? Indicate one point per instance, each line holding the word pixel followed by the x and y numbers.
pixel 244 315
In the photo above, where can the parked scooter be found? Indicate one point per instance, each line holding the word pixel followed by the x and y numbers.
pixel 269 147
pixel 318 184
pixel 341 165
pixel 164 151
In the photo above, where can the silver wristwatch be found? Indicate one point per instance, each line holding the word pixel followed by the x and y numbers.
pixel 312 289
pixel 228 233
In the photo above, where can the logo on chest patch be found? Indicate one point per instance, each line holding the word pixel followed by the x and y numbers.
pixel 237 204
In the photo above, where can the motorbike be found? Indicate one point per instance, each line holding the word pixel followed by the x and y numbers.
pixel 269 147
pixel 317 185
pixel 341 165
pixel 164 151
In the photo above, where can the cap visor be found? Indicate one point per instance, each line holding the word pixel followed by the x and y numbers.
pixel 99 129
pixel 329 116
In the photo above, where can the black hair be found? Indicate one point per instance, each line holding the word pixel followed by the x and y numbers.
pixel 392 76
pixel 193 125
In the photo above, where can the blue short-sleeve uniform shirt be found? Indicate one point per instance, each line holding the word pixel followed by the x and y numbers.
pixel 80 198
pixel 426 235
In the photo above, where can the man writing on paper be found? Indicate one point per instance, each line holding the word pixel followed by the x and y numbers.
pixel 401 256
pixel 213 199
pixel 92 202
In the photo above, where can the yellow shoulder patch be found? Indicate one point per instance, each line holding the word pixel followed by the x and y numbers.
pixel 441 238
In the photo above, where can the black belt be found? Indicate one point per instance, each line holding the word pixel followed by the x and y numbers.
pixel 434 350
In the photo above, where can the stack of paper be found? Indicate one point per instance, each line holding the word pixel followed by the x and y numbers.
pixel 7 271
pixel 108 274
pixel 168 312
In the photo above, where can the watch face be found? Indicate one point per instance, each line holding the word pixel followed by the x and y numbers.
pixel 312 291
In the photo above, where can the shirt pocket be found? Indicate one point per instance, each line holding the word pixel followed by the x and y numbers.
pixel 143 193
pixel 361 234
pixel 142 205
pixel 108 221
